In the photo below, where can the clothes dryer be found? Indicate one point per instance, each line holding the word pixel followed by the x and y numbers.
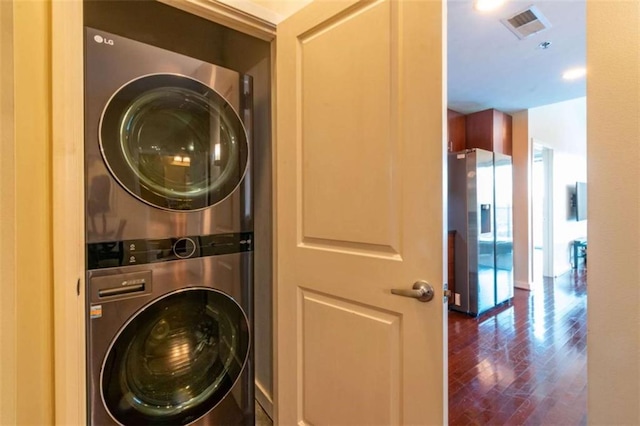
pixel 167 143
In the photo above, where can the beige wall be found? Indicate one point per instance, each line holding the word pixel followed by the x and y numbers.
pixel 273 11
pixel 7 222
pixel 284 8
pixel 613 111
pixel 521 200
pixel 30 388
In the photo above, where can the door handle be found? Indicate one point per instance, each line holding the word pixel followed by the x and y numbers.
pixel 422 290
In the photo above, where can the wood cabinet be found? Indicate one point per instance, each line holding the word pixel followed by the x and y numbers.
pixel 489 129
pixel 456 135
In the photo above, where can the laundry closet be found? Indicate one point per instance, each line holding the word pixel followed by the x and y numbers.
pixel 177 217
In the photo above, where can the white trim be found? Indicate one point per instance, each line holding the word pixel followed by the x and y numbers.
pixel 523 285
pixel 548 208
pixel 274 242
pixel 533 206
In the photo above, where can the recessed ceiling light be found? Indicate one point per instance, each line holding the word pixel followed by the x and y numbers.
pixel 486 5
pixel 574 73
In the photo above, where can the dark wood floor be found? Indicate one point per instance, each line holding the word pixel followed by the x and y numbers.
pixel 525 363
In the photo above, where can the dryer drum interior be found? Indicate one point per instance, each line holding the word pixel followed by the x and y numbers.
pixel 173 142
pixel 176 359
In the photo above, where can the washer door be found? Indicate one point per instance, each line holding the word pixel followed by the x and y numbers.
pixel 173 142
pixel 176 359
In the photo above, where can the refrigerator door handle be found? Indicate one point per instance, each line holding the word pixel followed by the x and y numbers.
pixel 422 290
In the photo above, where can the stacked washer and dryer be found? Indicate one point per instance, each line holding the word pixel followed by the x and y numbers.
pixel 169 232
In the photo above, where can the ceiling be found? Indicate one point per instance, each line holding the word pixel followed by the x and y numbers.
pixel 489 67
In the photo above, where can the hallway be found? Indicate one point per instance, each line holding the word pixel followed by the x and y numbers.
pixel 524 363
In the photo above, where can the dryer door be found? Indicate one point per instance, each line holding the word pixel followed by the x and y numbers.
pixel 176 359
pixel 173 142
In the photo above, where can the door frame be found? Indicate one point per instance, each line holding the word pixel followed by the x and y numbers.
pixel 68 194
pixel 547 209
pixel 8 320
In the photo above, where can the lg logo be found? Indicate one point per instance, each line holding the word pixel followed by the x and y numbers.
pixel 100 39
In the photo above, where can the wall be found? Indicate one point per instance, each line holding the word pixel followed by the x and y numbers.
pixel 562 127
pixel 7 221
pixel 27 317
pixel 521 201
pixel 613 105
pixel 272 10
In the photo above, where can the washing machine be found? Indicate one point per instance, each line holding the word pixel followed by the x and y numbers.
pixel 169 232
pixel 170 343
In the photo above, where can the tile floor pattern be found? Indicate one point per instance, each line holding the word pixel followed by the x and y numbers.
pixel 525 363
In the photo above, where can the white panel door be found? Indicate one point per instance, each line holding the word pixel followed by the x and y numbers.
pixel 360 210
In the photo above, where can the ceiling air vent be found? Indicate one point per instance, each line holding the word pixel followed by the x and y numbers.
pixel 526 23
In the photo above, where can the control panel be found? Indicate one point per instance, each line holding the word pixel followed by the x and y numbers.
pixel 140 252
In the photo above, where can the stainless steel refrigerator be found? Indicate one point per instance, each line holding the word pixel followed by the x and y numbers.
pixel 480 213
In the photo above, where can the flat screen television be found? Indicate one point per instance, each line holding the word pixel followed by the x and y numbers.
pixel 581 201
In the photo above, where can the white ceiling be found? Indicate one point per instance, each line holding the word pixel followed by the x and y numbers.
pixel 489 67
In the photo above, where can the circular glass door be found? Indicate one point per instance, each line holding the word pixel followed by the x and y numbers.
pixel 176 359
pixel 173 142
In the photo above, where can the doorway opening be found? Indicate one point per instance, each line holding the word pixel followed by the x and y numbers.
pixel 496 359
pixel 542 212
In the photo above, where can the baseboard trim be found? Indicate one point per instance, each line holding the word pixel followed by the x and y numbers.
pixel 265 399
pixel 523 285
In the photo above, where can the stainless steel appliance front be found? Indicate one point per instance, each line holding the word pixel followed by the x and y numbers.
pixel 170 343
pixel 167 143
pixel 480 211
pixel 169 227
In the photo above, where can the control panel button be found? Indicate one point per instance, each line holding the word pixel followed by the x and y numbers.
pixel 184 248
